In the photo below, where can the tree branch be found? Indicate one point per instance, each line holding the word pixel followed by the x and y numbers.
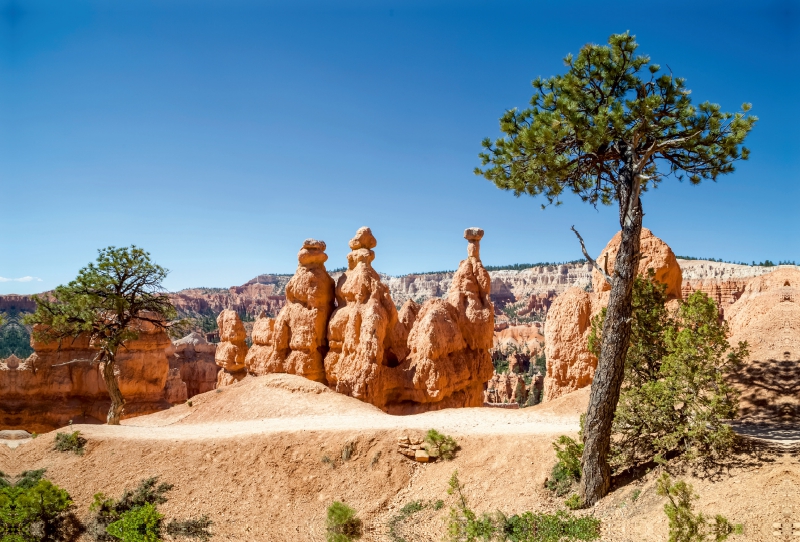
pixel 590 260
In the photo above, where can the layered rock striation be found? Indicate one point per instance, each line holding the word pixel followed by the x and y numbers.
pixel 193 358
pixel 59 382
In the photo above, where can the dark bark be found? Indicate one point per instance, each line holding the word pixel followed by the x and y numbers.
pixel 604 396
pixel 117 401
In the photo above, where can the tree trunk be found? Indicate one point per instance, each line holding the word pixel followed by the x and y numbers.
pixel 117 401
pixel 604 396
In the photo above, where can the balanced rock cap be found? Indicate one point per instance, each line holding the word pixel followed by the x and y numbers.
pixel 473 234
pixel 314 244
pixel 363 239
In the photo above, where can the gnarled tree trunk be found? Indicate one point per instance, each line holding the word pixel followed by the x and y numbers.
pixel 604 396
pixel 117 401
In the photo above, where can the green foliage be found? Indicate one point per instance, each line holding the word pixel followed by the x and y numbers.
pixel 466 526
pixel 609 103
pixel 139 524
pixel 108 301
pixel 408 510
pixel 635 495
pixel 574 502
pixel 675 396
pixel 441 446
pixel 684 524
pixel 567 470
pixel 342 523
pixel 14 338
pixel 523 266
pixel 135 514
pixel 69 442
pixel 35 509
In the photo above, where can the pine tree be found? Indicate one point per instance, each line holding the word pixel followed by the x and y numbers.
pixel 609 129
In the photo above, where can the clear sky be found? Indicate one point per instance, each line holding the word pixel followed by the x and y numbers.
pixel 220 134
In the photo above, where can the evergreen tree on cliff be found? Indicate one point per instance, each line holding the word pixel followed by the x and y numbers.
pixel 613 126
pixel 110 302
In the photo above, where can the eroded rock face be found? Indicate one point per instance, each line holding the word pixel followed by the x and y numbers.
pixel 365 334
pixel 767 316
pixel 506 388
pixel 449 362
pixel 296 341
pixel 44 392
pixel 193 357
pixel 656 255
pixel 570 365
pixel 422 358
pixel 232 348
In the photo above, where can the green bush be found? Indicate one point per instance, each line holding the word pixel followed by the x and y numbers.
pixel 684 524
pixel 574 502
pixel 567 470
pixel 139 524
pixel 675 396
pixel 441 446
pixel 342 524
pixel 35 509
pixel 135 514
pixel 69 442
pixel 466 526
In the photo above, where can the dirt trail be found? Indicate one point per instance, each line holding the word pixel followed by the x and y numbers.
pixel 263 458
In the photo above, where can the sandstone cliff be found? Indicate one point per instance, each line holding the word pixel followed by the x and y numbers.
pixel 44 391
pixel 193 357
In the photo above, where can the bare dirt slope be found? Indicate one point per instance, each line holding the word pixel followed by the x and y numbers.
pixel 263 458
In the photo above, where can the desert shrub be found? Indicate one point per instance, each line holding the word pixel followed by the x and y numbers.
pixel 135 514
pixel 466 526
pixel 342 524
pixel 190 528
pixel 574 502
pixel 567 470
pixel 328 461
pixel 139 524
pixel 675 397
pixel 347 451
pixel 408 510
pixel 441 446
pixel 684 524
pixel 69 442
pixel 35 509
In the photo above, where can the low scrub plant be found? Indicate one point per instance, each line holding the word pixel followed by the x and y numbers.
pixel 567 470
pixel 70 442
pixel 408 510
pixel 134 517
pixel 684 524
pixel 675 397
pixel 342 523
pixel 466 526
pixel 33 509
pixel 441 446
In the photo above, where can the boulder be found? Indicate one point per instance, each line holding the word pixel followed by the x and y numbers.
pixel 296 341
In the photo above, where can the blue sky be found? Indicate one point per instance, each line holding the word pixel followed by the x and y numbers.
pixel 219 135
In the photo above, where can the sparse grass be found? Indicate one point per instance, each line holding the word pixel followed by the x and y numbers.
pixel 441 446
pixel 574 502
pixel 342 523
pixel 69 442
pixel 466 525
pixel 328 461
pixel 567 470
pixel 408 510
pixel 375 459
pixel 636 493
pixel 348 450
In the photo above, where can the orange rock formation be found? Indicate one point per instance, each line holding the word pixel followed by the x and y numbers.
pixel 193 357
pixel 296 341
pixel 232 348
pixel 58 383
pixel 570 365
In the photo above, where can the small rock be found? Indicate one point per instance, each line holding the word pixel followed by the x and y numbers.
pixel 421 456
